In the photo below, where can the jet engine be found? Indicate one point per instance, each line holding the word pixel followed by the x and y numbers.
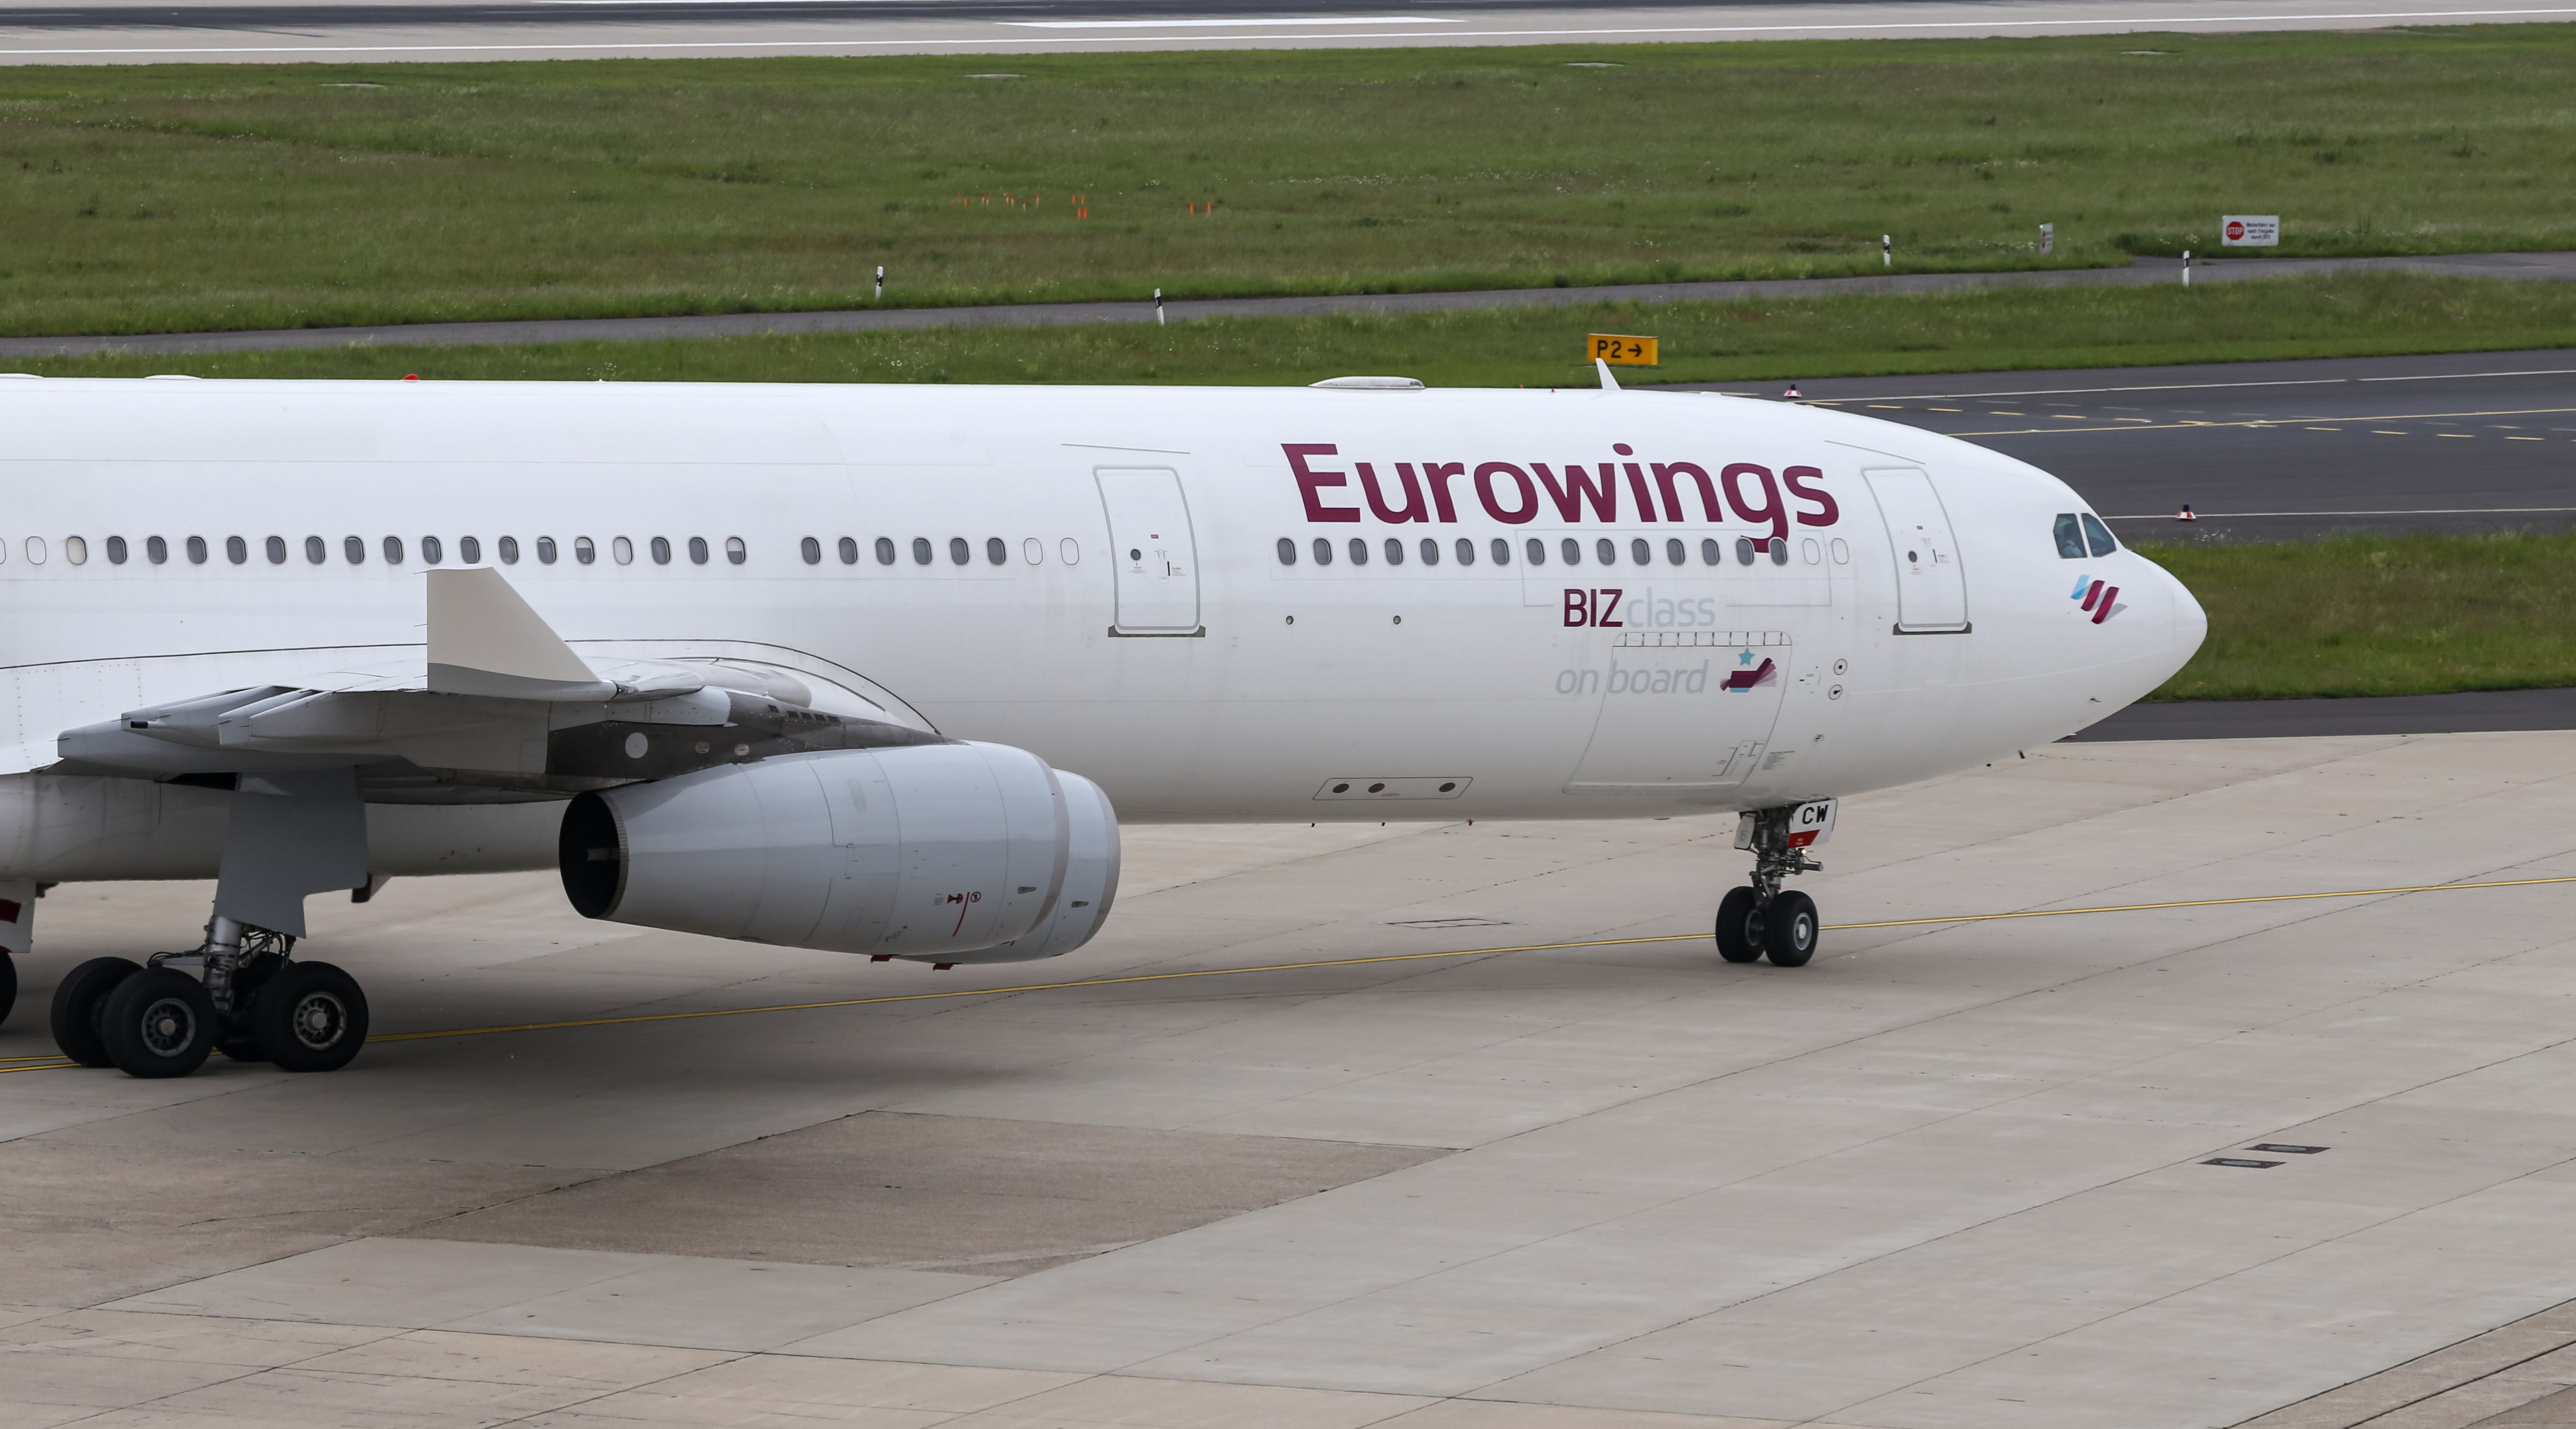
pixel 949 853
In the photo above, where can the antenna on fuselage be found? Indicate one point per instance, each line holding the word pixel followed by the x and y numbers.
pixel 1608 382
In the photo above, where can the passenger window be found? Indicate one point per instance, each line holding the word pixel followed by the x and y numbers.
pixel 1711 553
pixel 1572 550
pixel 1287 551
pixel 393 550
pixel 1466 552
pixel 1394 551
pixel 469 550
pixel 196 550
pixel 1744 550
pixel 156 550
pixel 583 551
pixel 921 550
pixel 811 550
pixel 1323 552
pixel 697 550
pixel 1359 551
pixel 316 550
pixel 354 548
pixel 76 550
pixel 36 549
pixel 2070 537
pixel 276 547
pixel 1071 550
pixel 1674 555
pixel 1033 550
pixel 509 550
pixel 236 550
pixel 431 551
pixel 735 552
pixel 661 550
pixel 996 551
pixel 1808 548
pixel 1536 549
pixel 959 553
pixel 1607 550
pixel 621 550
pixel 1502 552
pixel 545 550
pixel 1841 551
pixel 116 550
pixel 1779 550
pixel 849 551
pixel 1640 551
pixel 2099 535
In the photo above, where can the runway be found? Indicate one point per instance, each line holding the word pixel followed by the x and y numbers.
pixel 2270 450
pixel 245 31
pixel 2005 1173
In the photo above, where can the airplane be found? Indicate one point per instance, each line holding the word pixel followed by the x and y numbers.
pixel 879 669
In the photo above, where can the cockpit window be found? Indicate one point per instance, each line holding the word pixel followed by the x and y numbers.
pixel 2099 535
pixel 2070 537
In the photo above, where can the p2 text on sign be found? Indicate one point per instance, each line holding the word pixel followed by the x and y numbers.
pixel 1620 350
pixel 2250 230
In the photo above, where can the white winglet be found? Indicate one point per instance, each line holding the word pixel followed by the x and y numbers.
pixel 485 640
pixel 1608 382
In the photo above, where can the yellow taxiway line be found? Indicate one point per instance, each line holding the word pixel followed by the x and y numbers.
pixel 35 1064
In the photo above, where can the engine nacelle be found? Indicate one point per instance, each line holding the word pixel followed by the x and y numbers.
pixel 953 853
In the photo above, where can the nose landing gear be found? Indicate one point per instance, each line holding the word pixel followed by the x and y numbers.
pixel 255 1004
pixel 1763 919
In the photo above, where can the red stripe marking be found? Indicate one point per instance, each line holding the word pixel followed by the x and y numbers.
pixel 2092 595
pixel 2105 612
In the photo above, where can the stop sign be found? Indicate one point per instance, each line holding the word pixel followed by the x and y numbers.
pixel 2235 231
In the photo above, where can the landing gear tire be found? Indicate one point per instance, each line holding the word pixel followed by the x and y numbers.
pixel 79 1000
pixel 1739 927
pixel 309 1017
pixel 1789 929
pixel 158 1023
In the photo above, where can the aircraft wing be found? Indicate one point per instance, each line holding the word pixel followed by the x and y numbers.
pixel 500 709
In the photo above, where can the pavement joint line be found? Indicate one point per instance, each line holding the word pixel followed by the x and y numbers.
pixel 43 1065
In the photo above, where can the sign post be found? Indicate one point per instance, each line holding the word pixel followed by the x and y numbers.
pixel 1622 350
pixel 2250 230
pixel 2048 238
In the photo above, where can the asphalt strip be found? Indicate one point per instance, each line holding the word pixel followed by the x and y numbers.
pixel 2474 712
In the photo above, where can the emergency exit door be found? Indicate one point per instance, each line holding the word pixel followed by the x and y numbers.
pixel 1931 589
pixel 1156 560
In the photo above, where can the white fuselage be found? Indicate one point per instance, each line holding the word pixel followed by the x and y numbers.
pixel 1141 626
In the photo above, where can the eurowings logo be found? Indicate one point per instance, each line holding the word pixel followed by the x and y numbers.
pixel 1749 676
pixel 2097 598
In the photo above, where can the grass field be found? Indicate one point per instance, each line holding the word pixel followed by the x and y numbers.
pixel 1814 337
pixel 2378 615
pixel 159 197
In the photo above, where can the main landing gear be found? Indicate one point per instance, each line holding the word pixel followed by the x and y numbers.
pixel 254 1003
pixel 1764 919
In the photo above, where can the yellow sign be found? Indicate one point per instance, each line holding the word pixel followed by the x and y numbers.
pixel 1622 351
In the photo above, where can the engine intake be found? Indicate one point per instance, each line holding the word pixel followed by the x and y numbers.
pixel 963 853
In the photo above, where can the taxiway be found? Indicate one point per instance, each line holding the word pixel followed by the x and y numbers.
pixel 273 31
pixel 1346 1171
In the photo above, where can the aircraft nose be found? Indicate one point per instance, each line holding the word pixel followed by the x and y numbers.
pixel 2190 621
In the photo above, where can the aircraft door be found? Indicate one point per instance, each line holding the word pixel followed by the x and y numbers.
pixel 1683 709
pixel 1931 589
pixel 1155 556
